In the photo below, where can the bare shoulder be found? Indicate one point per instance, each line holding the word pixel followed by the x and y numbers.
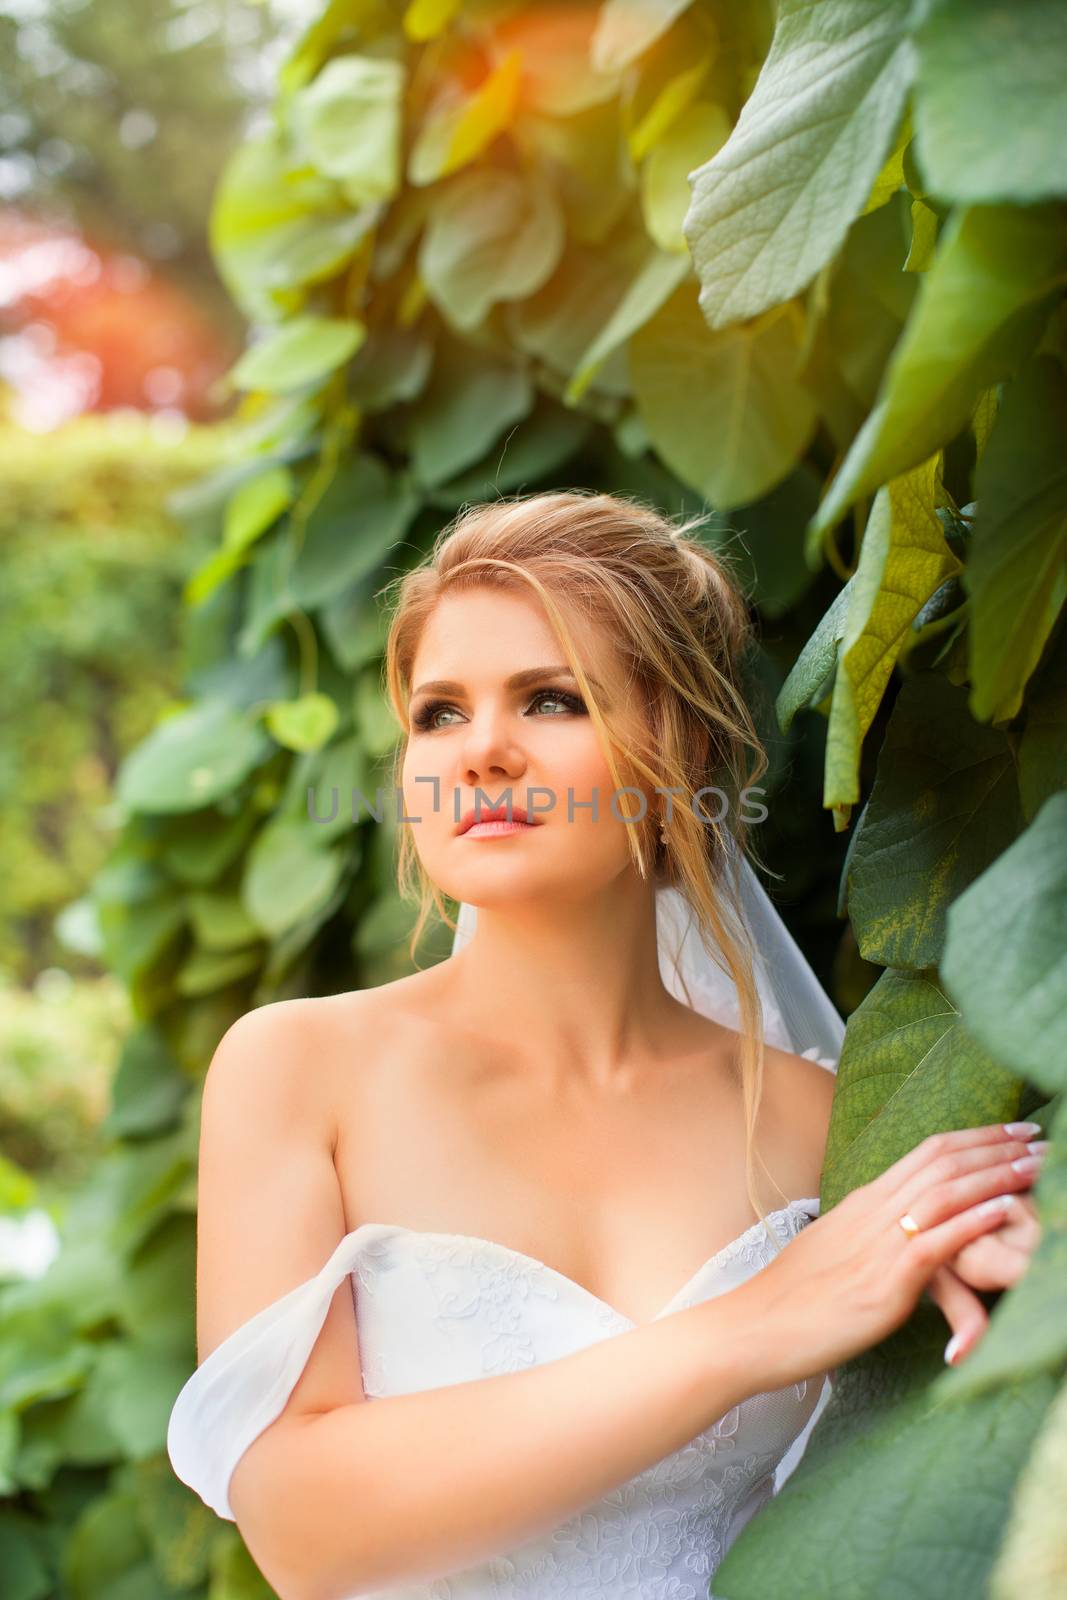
pixel 797 1102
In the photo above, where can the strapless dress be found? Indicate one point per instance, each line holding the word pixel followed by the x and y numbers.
pixel 442 1308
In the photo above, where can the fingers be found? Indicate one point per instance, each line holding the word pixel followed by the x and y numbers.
pixel 953 1179
pixel 964 1313
pixel 990 1262
pixel 921 1254
pixel 961 1142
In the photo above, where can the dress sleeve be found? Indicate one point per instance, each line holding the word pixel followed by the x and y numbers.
pixel 243 1385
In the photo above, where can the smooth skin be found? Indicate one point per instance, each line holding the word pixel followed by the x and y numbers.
pixel 338 1497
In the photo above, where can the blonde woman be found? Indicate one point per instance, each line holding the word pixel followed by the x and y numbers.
pixel 511 1275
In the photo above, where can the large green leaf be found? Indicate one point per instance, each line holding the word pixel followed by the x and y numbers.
pixel 275 229
pixel 943 807
pixel 659 275
pixel 981 309
pixel 1005 961
pixel 467 405
pixel 1033 1557
pixel 306 350
pixel 192 759
pixel 891 1514
pixel 288 875
pixel 903 560
pixel 1017 559
pixel 492 235
pixel 983 56
pixel 702 129
pixel 1042 753
pixel 364 512
pixel 909 1068
pixel 724 409
pixel 773 205
pixel 349 120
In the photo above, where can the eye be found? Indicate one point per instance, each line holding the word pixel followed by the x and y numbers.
pixel 570 702
pixel 425 718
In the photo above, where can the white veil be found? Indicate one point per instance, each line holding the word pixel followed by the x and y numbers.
pixel 798 1014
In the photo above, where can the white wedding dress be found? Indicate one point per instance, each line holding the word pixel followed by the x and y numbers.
pixel 443 1308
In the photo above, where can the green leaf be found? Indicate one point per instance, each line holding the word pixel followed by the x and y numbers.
pixel 943 806
pixel 980 310
pixel 903 560
pixel 1035 1544
pixel 536 447
pixel 724 409
pixel 192 759
pixel 924 229
pixel 288 875
pixel 469 402
pixel 656 280
pixel 811 675
pixel 491 235
pixel 256 505
pixel 349 121
pixel 1005 961
pixel 774 204
pixel 363 514
pixel 306 350
pixel 665 192
pixel 304 724
pixel 892 1511
pixel 909 1068
pixel 1018 547
pixel 626 28
pixel 274 230
pixel 1042 754
pixel 977 57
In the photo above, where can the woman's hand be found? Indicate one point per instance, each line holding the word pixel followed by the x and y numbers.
pixel 995 1260
pixel 853 1276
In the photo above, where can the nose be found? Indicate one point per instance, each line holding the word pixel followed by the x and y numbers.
pixel 490 750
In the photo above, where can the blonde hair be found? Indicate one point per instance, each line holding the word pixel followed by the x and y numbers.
pixel 681 623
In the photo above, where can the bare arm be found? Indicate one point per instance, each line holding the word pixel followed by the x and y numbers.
pixel 338 1495
pixel 412 1486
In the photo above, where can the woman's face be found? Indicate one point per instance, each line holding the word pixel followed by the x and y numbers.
pixel 471 728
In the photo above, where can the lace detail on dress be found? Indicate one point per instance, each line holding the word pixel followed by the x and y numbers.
pixel 436 1308
pixel 473 1285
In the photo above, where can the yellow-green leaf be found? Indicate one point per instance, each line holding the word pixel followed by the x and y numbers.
pixel 903 559
pixel 665 191
pixel 461 130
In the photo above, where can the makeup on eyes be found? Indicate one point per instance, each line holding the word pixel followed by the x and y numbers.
pixel 423 716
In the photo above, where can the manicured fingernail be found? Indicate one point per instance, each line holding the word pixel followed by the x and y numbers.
pixel 1022 1130
pixel 1038 1147
pixel 999 1202
pixel 953 1348
pixel 1028 1163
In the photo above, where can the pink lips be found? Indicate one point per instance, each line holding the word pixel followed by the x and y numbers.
pixel 487 823
pixel 490 830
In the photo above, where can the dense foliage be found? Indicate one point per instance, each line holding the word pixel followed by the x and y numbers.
pixel 806 268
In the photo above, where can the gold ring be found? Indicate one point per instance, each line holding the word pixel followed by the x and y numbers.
pixel 909 1224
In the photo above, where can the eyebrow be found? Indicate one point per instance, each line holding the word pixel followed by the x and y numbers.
pixel 518 680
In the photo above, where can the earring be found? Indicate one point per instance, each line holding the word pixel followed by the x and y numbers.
pixel 662 831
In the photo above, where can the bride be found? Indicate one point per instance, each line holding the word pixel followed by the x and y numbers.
pixel 567 1179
